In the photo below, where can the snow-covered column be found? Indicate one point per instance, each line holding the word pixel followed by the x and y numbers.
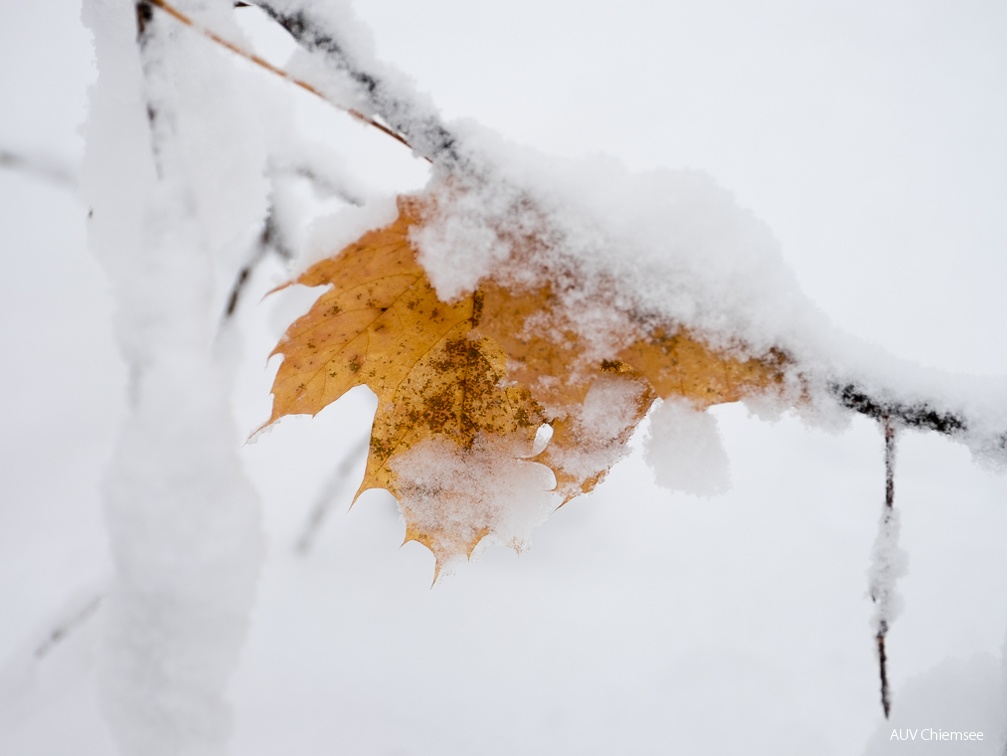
pixel 174 181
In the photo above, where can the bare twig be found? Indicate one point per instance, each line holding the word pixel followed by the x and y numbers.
pixel 52 170
pixel 886 703
pixel 269 241
pixel 316 164
pixel 241 280
pixel 327 497
pixel 889 464
pixel 325 185
pixel 67 625
pixel 274 238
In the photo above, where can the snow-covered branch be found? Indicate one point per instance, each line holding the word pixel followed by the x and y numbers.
pixel 172 219
pixel 330 34
pixel 335 40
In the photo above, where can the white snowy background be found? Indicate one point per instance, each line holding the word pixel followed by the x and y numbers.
pixel 868 136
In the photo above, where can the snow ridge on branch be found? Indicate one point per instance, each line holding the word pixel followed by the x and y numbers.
pixel 382 90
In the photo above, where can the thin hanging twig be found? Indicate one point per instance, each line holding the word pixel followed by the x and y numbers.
pixel 270 240
pixel 327 497
pixel 883 588
pixel 67 625
pixel 274 238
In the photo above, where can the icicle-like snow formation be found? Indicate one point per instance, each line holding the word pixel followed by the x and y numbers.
pixel 172 216
pixel 685 451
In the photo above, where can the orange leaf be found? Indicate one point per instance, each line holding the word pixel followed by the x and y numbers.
pixel 464 387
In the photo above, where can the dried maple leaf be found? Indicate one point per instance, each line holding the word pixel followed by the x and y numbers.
pixel 464 387
pixel 680 364
pixel 382 325
pixel 593 406
pixel 376 322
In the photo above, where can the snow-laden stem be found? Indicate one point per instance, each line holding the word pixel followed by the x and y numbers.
pixel 888 565
pixel 183 519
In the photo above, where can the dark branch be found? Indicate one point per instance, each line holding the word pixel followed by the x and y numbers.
pixel 144 15
pixel 239 284
pixel 274 239
pixel 65 628
pixel 886 703
pixel 920 415
pixel 270 240
pixel 327 186
pixel 889 430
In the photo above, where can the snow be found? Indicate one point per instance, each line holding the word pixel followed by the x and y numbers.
pixel 675 243
pixel 471 492
pixel 641 620
pixel 669 248
pixel 685 451
pixel 958 695
pixel 332 232
pixel 182 517
pixel 889 562
pixel 607 414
